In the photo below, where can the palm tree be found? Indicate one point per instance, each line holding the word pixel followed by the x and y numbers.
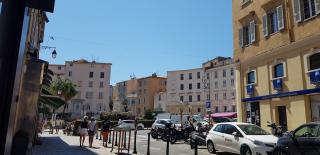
pixel 65 89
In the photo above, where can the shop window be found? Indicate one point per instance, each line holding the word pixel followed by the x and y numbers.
pixel 314 61
pixel 251 77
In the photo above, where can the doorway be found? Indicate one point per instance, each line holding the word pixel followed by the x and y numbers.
pixel 253 113
pixel 282 113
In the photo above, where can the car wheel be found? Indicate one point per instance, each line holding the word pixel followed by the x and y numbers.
pixel 279 152
pixel 245 150
pixel 211 148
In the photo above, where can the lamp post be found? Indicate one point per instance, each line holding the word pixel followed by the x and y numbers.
pixel 54 52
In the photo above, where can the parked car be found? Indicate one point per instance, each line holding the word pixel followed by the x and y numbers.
pixel 222 119
pixel 130 123
pixel 160 123
pixel 240 138
pixel 305 140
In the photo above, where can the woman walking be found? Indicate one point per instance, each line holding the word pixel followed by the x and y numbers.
pixel 83 130
pixel 105 131
pixel 92 126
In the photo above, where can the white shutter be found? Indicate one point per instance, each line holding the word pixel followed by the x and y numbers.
pixel 296 11
pixel 240 37
pixel 265 25
pixel 317 5
pixel 280 17
pixel 252 31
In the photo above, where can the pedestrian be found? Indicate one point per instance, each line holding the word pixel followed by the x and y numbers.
pixel 105 131
pixel 83 130
pixel 92 126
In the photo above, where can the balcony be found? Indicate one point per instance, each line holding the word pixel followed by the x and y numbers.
pixel 315 77
pixel 277 84
pixel 250 90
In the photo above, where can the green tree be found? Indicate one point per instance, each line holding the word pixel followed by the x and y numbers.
pixel 111 105
pixel 125 105
pixel 65 89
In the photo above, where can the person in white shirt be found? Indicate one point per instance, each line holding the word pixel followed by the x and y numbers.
pixel 92 128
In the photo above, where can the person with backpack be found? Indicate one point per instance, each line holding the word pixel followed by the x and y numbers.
pixel 106 125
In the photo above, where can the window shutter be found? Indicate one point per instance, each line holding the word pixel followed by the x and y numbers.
pixel 317 5
pixel 297 11
pixel 265 25
pixel 240 37
pixel 252 31
pixel 280 17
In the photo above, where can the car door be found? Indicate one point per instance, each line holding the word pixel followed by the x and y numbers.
pixel 306 139
pixel 218 137
pixel 231 142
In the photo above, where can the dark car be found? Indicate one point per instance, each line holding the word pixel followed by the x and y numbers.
pixel 222 119
pixel 305 140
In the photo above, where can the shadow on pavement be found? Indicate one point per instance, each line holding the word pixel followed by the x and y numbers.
pixel 56 146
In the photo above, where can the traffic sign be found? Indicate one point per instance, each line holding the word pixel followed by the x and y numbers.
pixel 208 104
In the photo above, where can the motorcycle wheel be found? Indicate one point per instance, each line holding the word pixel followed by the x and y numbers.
pixel 173 139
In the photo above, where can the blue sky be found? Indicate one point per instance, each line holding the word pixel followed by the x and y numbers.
pixel 140 36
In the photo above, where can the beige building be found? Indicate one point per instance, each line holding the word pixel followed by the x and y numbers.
pixel 277 53
pixel 92 80
pixel 221 74
pixel 160 102
pixel 185 87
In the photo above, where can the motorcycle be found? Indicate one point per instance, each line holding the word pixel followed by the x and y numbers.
pixel 157 133
pixel 276 130
pixel 178 134
pixel 198 137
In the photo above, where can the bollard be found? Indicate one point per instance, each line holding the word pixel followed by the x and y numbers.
pixel 116 144
pixel 148 149
pixel 97 134
pixel 135 142
pixel 125 138
pixel 168 139
pixel 100 135
pixel 195 147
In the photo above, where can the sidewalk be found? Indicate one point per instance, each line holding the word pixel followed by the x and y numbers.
pixel 53 144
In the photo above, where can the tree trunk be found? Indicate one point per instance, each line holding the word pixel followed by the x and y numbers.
pixel 64 109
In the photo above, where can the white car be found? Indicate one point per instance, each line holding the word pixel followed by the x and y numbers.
pixel 240 138
pixel 160 123
pixel 130 124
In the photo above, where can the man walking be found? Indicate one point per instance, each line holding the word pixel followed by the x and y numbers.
pixel 92 126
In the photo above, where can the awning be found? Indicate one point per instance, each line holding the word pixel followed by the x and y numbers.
pixel 53 101
pixel 225 114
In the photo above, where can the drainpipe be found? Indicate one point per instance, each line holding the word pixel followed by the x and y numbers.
pixel 289 22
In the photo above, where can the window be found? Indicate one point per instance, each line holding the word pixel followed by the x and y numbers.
pixel 78 94
pixel 70 73
pixel 159 98
pixel 190 86
pixel 232 95
pixel 89 95
pixel 305 9
pixel 225 96
pixel 216 96
pixel 199 109
pixel 216 85
pixel 199 97
pixel 190 98
pixel 247 34
pixel 101 85
pixel 79 83
pixel 100 95
pixel 215 74
pixel 208 76
pixel 229 129
pixel 181 98
pixel 144 91
pixel 225 108
pixel 217 109
pixel 307 131
pixel 71 64
pixel 231 72
pixel 91 75
pixel 198 85
pixel 181 87
pixel 190 76
pixel 219 128
pixel 234 108
pixel 314 61
pixel 273 21
pixel 224 83
pixel 90 84
pixel 251 77
pixel 59 67
pixel 102 75
pixel 198 75
pixel 278 70
pixel 224 73
pixel 232 82
pixel 181 76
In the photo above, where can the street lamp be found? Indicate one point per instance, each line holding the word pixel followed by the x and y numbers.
pixel 54 52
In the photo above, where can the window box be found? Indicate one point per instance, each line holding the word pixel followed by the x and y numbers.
pixel 277 84
pixel 315 77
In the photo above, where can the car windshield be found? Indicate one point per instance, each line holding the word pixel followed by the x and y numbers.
pixel 249 129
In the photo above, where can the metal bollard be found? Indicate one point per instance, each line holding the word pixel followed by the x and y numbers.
pixel 100 135
pixel 135 142
pixel 125 139
pixel 148 151
pixel 168 139
pixel 196 147
pixel 116 144
pixel 97 134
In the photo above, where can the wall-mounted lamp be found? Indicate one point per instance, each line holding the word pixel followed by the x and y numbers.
pixel 54 52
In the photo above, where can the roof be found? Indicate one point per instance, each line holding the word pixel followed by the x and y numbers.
pixel 186 70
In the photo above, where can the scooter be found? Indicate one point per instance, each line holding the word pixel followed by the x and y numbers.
pixel 198 137
pixel 275 130
pixel 182 134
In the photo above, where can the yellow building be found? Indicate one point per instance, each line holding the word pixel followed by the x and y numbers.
pixel 277 52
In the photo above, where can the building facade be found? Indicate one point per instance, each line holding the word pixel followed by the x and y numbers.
pixel 160 102
pixel 221 74
pixel 277 56
pixel 185 87
pixel 92 80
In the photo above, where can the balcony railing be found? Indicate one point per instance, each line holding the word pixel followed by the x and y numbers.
pixel 315 77
pixel 277 84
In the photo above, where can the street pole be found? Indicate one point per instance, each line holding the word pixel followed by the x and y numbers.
pixel 135 138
